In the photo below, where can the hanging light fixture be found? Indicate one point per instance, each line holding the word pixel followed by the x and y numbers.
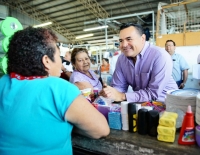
pixel 41 25
pixel 84 36
pixel 95 28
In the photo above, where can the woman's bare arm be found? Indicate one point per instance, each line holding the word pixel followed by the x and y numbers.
pixel 88 120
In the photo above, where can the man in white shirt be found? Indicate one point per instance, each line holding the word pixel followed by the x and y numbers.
pixel 67 67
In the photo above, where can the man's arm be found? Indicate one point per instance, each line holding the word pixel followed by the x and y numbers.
pixel 185 76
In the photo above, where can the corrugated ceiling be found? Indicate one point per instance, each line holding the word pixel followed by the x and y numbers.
pixel 72 16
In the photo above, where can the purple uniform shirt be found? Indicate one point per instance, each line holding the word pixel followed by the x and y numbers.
pixel 150 78
pixel 77 76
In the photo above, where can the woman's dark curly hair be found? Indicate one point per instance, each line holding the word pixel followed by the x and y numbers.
pixel 26 49
pixel 75 51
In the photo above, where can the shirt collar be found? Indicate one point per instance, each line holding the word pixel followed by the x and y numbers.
pixel 146 45
pixel 174 54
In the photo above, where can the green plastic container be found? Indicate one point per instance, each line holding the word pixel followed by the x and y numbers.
pixel 4 45
pixel 3 65
pixel 9 26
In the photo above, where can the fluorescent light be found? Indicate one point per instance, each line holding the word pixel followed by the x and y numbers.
pixel 41 25
pixel 84 36
pixel 95 28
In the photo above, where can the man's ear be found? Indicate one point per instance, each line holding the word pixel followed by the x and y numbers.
pixel 143 37
pixel 46 62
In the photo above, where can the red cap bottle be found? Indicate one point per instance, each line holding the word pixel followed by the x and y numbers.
pixel 187 136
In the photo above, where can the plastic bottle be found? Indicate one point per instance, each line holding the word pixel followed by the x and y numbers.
pixel 132 117
pixel 187 136
pixel 142 121
pixel 152 122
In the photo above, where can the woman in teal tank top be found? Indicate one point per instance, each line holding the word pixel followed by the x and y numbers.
pixel 38 110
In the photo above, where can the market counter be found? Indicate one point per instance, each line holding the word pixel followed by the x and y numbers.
pixel 123 142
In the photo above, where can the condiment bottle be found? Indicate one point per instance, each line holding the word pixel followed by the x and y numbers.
pixel 187 136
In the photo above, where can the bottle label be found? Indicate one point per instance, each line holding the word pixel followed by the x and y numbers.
pixel 134 123
pixel 188 135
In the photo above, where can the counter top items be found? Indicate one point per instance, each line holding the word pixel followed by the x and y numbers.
pixel 166 128
pixel 152 122
pixel 197 114
pixel 104 110
pixel 180 99
pixel 124 115
pixel 168 119
pixel 103 101
pixel 142 121
pixel 159 106
pixel 132 117
pixel 197 135
pixel 187 136
pixel 114 120
pixel 88 94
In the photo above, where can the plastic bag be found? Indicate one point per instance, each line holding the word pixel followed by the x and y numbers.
pixel 103 101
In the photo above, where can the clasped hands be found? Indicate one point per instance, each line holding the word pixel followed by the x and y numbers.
pixel 112 93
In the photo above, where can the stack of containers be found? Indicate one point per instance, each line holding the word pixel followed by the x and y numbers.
pixel 197 114
pixel 197 135
pixel 180 99
pixel 166 128
pixel 124 115
pixel 7 28
pixel 114 117
pixel 114 120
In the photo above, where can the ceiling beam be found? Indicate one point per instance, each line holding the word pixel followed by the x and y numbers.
pixel 96 9
pixel 179 3
pixel 37 15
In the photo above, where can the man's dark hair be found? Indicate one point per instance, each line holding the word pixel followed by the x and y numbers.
pixel 171 41
pixel 27 48
pixel 137 26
